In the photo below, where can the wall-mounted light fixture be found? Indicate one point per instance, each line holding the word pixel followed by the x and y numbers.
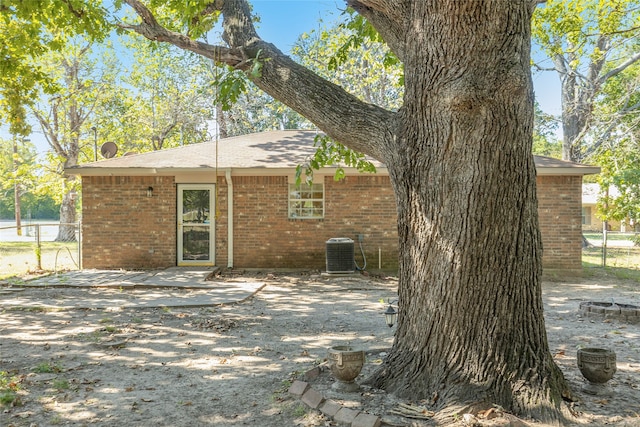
pixel 150 192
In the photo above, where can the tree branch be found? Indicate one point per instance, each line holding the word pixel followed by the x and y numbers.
pixel 387 17
pixel 152 30
pixel 535 3
pixel 338 113
pixel 620 68
pixel 49 134
pixel 560 63
pixel 541 68
pixel 595 68
pixel 214 6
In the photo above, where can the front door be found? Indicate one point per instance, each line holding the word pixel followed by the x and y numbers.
pixel 196 224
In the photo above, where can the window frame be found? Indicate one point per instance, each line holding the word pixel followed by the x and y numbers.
pixel 586 215
pixel 294 212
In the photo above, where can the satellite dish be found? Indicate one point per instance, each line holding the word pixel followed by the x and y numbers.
pixel 109 149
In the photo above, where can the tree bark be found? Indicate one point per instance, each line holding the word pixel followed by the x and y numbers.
pixel 62 130
pixel 67 228
pixel 471 329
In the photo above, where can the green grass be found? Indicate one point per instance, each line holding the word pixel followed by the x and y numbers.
pixel 47 368
pixel 622 263
pixel 60 384
pixel 7 397
pixel 610 236
pixel 628 257
pixel 9 385
pixel 56 420
pixel 19 258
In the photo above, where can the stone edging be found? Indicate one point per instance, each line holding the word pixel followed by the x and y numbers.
pixel 330 408
pixel 610 310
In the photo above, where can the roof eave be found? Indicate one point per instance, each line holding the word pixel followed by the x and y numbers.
pixel 103 171
pixel 568 171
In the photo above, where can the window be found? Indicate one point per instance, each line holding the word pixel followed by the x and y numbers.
pixel 306 201
pixel 586 215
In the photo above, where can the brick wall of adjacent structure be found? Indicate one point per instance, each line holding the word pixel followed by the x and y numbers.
pixel 559 211
pixel 123 228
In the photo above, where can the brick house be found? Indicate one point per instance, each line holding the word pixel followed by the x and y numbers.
pixel 173 207
pixel 590 220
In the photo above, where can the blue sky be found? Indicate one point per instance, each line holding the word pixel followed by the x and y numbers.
pixel 282 21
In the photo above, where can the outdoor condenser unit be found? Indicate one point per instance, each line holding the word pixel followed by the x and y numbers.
pixel 340 255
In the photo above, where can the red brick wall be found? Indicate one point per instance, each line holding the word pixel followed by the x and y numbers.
pixel 221 218
pixel 559 210
pixel 123 228
pixel 264 236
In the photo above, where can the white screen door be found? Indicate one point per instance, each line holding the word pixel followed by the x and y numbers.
pixel 196 224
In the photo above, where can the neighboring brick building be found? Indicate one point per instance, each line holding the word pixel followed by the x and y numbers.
pixel 131 205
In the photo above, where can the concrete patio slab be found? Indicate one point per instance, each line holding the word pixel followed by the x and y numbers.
pixel 100 289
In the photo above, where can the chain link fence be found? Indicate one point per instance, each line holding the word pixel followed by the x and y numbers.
pixel 35 249
pixel 613 249
pixel 32 247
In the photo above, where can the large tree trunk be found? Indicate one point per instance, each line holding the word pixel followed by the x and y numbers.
pixel 471 328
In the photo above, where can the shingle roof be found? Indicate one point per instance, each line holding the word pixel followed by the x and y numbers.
pixel 273 149
pixel 551 166
pixel 284 149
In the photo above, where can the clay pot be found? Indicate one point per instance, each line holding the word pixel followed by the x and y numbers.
pixel 597 365
pixel 345 364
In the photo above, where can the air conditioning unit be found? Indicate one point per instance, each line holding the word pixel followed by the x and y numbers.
pixel 340 255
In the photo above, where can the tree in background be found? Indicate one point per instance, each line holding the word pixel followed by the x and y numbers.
pixel 34 202
pixel 620 171
pixel 18 156
pixel 65 117
pixel 30 30
pixel 589 43
pixel 545 141
pixel 354 56
pixel 169 102
pixel 619 152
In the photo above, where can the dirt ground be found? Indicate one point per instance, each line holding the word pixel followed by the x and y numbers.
pixel 232 365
